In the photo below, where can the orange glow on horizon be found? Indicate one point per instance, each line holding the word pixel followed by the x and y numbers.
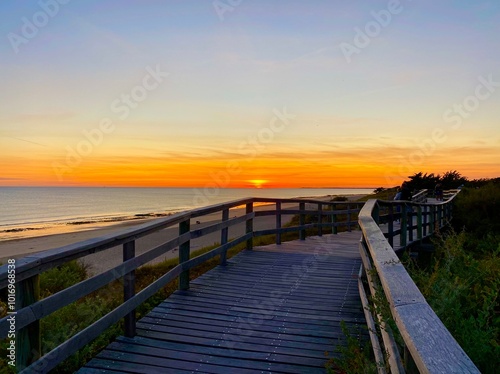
pixel 273 171
pixel 258 183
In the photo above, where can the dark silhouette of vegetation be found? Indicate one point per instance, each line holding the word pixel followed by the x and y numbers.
pixel 449 180
pixel 477 210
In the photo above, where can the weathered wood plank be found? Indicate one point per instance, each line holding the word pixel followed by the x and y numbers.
pixel 429 342
pixel 255 313
pixel 222 351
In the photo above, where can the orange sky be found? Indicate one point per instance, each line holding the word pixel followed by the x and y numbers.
pixel 356 168
pixel 180 97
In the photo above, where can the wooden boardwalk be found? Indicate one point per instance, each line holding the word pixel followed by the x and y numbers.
pixel 274 309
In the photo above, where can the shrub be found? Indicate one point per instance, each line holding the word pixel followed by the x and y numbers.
pixel 462 287
pixel 61 277
pixel 478 210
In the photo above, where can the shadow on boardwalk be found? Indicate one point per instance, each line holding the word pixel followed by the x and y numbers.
pixel 277 308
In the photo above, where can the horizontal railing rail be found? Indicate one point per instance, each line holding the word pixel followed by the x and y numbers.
pixel 30 309
pixel 427 342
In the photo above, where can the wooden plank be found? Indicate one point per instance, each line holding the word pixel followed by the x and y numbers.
pixel 420 328
pixel 254 314
pixel 130 367
pixel 293 327
pixel 237 341
pixel 428 339
pixel 223 351
pixel 86 370
pixel 326 305
pixel 127 358
pixel 244 366
pixel 262 330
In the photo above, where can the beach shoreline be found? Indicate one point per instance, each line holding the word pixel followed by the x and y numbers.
pixel 22 247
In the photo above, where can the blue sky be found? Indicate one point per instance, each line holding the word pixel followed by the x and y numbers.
pixel 353 118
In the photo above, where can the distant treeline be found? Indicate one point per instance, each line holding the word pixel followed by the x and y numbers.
pixel 448 180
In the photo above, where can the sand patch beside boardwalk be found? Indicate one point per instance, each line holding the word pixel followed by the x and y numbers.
pixel 109 258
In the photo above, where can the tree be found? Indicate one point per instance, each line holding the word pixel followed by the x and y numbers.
pixel 452 179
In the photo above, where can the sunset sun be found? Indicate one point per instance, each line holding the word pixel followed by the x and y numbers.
pixel 258 183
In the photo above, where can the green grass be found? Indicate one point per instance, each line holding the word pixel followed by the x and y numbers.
pixel 354 358
pixel 462 282
pixel 462 286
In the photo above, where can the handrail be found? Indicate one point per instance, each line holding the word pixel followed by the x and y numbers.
pixel 431 346
pixel 30 309
pixel 420 197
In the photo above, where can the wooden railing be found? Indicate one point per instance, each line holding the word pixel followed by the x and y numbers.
pixel 29 309
pixel 417 220
pixel 428 346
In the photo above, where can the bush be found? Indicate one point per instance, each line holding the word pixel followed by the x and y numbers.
pixel 477 210
pixel 462 287
pixel 61 277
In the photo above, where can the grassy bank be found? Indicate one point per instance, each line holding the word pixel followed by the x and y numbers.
pixel 462 285
pixel 462 281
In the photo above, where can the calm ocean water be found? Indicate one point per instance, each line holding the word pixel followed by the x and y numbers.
pixel 21 206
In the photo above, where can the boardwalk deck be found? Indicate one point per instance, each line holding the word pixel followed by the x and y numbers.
pixel 275 309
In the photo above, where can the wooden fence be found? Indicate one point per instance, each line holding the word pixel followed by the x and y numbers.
pixel 29 308
pixel 428 346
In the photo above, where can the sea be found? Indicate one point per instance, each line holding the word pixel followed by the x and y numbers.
pixel 27 211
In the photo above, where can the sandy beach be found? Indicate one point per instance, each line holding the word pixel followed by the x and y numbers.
pixel 109 258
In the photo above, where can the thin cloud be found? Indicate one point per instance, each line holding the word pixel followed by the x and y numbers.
pixel 28 141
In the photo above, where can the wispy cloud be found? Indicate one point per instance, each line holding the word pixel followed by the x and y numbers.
pixel 27 141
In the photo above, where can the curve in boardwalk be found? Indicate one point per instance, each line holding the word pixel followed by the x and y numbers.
pixel 276 308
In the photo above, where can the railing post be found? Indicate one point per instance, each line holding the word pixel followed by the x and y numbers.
pixel 28 339
pixel 348 217
pixel 320 219
pixel 129 289
pixel 278 222
pixel 184 254
pixel 249 226
pixel 425 220
pixel 223 236
pixel 302 221
pixel 419 223
pixel 404 226
pixel 432 222
pixel 333 219
pixel 440 217
pixel 410 226
pixel 375 214
pixel 390 226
